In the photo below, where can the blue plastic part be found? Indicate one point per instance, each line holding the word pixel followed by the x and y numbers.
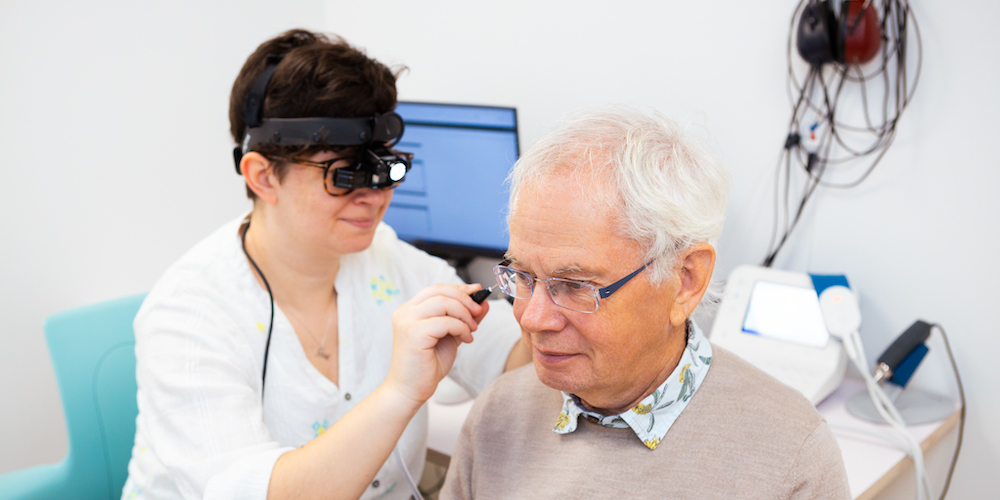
pixel 823 281
pixel 93 353
pixel 901 375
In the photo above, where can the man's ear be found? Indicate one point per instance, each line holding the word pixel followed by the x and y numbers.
pixel 693 277
pixel 260 176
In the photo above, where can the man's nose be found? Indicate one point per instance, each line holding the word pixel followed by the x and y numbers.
pixel 541 314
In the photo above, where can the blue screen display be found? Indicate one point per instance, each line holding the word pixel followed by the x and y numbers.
pixel 454 196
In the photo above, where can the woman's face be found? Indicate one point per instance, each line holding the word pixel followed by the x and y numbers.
pixel 324 224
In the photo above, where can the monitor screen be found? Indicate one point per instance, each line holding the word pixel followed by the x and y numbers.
pixel 787 313
pixel 454 201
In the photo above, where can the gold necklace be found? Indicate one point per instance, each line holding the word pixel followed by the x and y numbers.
pixel 321 352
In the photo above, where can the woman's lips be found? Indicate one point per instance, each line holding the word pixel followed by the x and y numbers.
pixel 361 223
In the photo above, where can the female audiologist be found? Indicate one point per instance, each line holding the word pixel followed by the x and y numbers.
pixel 352 326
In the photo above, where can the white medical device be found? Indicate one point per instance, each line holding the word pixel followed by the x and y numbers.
pixel 772 319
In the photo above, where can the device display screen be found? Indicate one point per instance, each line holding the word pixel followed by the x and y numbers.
pixel 787 313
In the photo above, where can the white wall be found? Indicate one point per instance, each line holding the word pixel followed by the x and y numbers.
pixel 116 156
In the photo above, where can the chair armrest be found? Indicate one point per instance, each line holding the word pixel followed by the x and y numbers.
pixel 39 482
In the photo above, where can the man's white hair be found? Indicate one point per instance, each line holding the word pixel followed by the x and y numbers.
pixel 664 189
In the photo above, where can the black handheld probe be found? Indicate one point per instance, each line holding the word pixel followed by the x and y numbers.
pixel 480 296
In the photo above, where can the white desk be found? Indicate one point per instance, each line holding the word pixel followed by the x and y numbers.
pixel 871 463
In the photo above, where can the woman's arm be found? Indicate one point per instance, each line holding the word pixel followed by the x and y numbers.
pixel 342 462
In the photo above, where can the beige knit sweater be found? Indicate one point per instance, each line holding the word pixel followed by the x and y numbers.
pixel 743 435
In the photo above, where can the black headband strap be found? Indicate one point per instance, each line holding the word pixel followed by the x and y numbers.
pixel 253 105
pixel 379 129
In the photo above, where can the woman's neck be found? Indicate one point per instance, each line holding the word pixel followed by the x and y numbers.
pixel 300 277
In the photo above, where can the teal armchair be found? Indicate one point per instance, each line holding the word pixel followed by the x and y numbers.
pixel 93 353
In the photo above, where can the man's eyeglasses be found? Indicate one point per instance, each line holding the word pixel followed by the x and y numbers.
pixel 570 294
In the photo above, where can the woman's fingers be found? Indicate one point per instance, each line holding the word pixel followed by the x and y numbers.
pixel 427 332
pixel 439 305
pixel 482 314
pixel 459 293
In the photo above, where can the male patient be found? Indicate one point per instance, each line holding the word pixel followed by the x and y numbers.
pixel 613 218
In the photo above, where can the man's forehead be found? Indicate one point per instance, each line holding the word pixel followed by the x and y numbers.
pixel 556 265
pixel 595 254
pixel 558 228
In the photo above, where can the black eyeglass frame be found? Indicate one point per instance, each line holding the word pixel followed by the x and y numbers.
pixel 602 293
pixel 347 174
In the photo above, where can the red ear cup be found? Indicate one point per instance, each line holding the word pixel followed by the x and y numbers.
pixel 860 32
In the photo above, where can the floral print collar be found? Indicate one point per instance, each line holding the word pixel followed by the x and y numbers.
pixel 653 416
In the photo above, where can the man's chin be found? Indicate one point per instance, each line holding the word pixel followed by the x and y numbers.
pixel 559 379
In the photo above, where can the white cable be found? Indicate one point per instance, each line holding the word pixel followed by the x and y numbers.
pixel 887 410
pixel 406 474
pixel 847 429
pixel 842 316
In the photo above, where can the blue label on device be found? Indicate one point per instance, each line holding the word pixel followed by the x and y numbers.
pixel 823 281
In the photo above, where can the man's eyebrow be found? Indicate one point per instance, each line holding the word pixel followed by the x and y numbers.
pixel 508 258
pixel 575 270
pixel 568 270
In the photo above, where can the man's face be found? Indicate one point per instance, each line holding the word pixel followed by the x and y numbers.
pixel 608 358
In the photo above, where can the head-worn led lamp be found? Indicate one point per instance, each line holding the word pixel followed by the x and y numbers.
pixel 378 165
pixel 377 168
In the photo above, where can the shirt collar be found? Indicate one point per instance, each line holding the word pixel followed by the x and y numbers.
pixel 656 413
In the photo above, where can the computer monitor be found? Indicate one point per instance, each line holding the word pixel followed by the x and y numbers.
pixel 453 202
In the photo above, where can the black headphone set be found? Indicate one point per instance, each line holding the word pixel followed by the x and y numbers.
pixel 853 39
pixel 378 165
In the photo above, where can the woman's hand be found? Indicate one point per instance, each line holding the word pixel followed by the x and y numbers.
pixel 427 331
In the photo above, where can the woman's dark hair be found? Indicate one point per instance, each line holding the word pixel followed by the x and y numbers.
pixel 318 76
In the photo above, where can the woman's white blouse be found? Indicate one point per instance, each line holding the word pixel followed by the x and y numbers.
pixel 202 430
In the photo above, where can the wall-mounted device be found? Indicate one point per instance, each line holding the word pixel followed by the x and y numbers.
pixel 772 319
pixel 862 70
pixel 453 202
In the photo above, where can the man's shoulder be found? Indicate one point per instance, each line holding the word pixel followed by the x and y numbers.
pixel 517 396
pixel 520 386
pixel 734 390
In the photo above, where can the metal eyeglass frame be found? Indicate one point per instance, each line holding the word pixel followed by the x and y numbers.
pixel 599 293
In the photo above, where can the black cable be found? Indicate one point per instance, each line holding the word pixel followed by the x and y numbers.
pixel 270 326
pixel 811 163
pixel 792 141
pixel 961 419
pixel 807 194
pixel 782 158
pixel 827 82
